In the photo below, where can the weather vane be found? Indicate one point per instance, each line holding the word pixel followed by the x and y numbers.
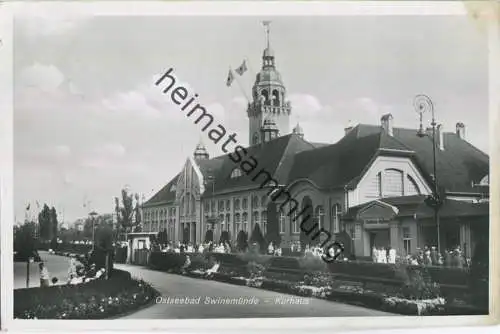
pixel 266 26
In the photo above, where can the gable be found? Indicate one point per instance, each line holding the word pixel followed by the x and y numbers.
pixel 377 210
pixel 389 176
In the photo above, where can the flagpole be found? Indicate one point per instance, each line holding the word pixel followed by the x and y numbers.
pixel 241 87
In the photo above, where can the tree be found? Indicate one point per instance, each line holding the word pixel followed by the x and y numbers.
pixel 242 241
pixel 103 246
pixel 128 214
pixel 258 238
pixel 44 221
pixel 273 228
pixel 53 223
pixel 24 240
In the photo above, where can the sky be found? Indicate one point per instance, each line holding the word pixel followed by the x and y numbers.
pixel 89 121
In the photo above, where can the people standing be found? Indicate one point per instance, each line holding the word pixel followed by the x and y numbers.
pixel 44 275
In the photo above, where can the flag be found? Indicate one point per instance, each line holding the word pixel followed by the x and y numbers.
pixel 230 78
pixel 28 207
pixel 243 68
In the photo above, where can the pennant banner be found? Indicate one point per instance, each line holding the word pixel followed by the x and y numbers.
pixel 230 78
pixel 242 68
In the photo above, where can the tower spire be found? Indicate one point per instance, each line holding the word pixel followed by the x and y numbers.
pixel 266 26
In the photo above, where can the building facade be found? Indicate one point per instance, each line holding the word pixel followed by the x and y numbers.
pixel 371 185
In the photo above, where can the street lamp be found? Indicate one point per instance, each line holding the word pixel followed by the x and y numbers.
pixel 422 105
pixel 92 215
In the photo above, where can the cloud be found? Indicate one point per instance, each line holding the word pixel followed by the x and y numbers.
pixel 46 78
pixel 44 19
pixel 132 102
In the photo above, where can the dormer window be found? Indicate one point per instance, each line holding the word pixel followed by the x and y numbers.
pixel 236 173
pixel 173 188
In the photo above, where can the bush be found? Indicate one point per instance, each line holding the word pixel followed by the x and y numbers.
pixel 167 261
pixel 312 263
pixel 284 263
pixel 97 299
pixel 417 283
pixel 242 241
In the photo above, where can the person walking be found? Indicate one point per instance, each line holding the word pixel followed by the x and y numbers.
pixel 44 275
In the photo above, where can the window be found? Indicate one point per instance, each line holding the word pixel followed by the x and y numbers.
pixel 173 188
pixel 207 206
pixel 374 188
pixel 228 220
pixel 320 216
pixel 407 240
pixel 228 205
pixel 264 222
pixel 412 187
pixel 221 206
pixel 282 222
pixel 255 202
pixel 255 139
pixel 237 222
pixel 355 231
pixel 245 221
pixel 221 220
pixel 263 201
pixel 182 206
pixel 392 183
pixel 294 222
pixel 236 204
pixel 255 218
pixel 236 173
pixel 336 213
pixel 245 204
pixel 193 205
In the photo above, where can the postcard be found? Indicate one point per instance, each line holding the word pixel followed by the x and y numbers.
pixel 220 165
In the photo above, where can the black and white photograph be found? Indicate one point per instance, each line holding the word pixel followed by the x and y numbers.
pixel 259 165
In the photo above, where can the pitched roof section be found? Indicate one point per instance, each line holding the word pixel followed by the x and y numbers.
pixel 164 195
pixel 344 162
pixel 275 157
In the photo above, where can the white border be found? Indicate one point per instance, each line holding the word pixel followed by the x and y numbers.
pixel 218 8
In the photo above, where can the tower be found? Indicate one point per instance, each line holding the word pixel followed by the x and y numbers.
pixel 269 130
pixel 298 131
pixel 268 98
pixel 201 153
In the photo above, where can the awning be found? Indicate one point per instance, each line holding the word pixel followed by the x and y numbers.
pixel 414 206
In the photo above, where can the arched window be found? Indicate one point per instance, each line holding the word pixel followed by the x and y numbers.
pixel 193 205
pixel 295 223
pixel 255 202
pixel 320 216
pixel 265 96
pixel 244 221
pixel 392 183
pixel 228 220
pixel 263 201
pixel 228 205
pixel 336 213
pixel 244 204
pixel 221 206
pixel 255 218
pixel 282 222
pixel 237 222
pixel 236 173
pixel 276 98
pixel 263 219
pixel 182 205
pixel 236 204
pixel 213 206
pixel 412 187
pixel 221 220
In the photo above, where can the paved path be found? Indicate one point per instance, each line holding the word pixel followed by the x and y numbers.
pixel 57 266
pixel 270 304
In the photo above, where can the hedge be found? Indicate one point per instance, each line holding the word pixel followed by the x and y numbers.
pixel 97 299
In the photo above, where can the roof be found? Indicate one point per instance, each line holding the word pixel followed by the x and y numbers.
pixel 414 206
pixel 275 157
pixel 164 195
pixel 344 163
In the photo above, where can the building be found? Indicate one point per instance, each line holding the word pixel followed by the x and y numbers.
pixel 372 184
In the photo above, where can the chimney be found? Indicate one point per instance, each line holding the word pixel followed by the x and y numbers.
pixel 347 129
pixel 461 130
pixel 386 122
pixel 440 137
